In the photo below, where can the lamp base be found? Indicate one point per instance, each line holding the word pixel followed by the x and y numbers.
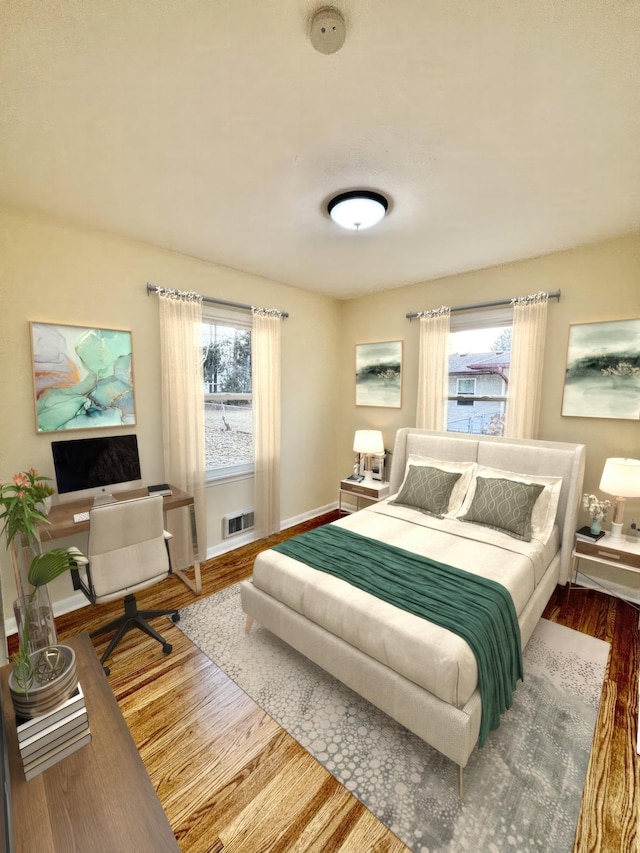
pixel 616 530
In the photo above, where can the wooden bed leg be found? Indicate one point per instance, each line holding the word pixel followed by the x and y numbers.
pixel 249 625
pixel 460 783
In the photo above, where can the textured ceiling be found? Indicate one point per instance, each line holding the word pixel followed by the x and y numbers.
pixel 498 130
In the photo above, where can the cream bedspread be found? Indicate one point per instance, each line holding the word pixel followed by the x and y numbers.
pixel 430 656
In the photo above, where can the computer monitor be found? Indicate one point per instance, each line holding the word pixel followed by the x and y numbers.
pixel 95 467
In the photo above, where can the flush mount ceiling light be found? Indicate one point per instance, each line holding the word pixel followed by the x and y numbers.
pixel 358 209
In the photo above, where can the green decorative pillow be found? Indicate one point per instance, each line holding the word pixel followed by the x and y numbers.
pixel 504 505
pixel 427 489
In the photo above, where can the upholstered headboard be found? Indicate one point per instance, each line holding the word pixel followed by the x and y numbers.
pixel 542 458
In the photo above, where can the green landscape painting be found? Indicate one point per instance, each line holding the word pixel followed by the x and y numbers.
pixel 379 374
pixel 603 371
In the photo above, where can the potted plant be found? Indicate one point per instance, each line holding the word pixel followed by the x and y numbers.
pixel 34 615
pixel 23 512
pixel 597 510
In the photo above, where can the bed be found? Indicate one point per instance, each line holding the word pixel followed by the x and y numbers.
pixel 496 512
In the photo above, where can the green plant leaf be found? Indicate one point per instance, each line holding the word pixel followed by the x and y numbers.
pixel 24 671
pixel 46 567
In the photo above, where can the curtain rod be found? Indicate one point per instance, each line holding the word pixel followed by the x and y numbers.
pixel 554 295
pixel 153 288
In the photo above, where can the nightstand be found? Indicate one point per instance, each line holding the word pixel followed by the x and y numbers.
pixel 372 490
pixel 612 552
pixel 622 553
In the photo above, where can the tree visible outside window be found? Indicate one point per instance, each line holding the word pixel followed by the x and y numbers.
pixel 479 361
pixel 226 374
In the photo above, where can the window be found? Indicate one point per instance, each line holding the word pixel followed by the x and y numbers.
pixel 465 387
pixel 228 408
pixel 479 359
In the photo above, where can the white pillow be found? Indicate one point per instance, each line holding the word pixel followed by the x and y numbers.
pixel 544 510
pixel 465 469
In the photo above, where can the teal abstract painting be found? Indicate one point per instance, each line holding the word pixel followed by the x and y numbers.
pixel 82 377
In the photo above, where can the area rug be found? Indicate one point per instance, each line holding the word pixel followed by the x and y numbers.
pixel 522 790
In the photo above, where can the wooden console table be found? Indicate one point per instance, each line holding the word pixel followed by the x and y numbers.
pixel 61 523
pixel 100 798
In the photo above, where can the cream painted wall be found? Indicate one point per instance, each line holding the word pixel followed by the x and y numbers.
pixel 599 282
pixel 53 272
pixel 57 273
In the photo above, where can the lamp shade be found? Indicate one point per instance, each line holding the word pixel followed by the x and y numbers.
pixel 621 477
pixel 368 441
pixel 358 209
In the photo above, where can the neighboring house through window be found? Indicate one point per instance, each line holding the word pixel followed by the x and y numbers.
pixel 479 360
pixel 465 388
pixel 226 373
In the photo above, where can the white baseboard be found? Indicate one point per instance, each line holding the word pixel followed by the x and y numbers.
pixel 249 537
pixel 305 516
pixel 65 605
pixel 78 600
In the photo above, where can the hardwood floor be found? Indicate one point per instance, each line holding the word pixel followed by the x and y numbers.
pixel 231 780
pixel 610 808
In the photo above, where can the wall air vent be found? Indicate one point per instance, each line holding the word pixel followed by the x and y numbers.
pixel 237 522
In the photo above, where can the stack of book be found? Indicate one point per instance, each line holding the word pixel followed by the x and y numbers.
pixel 160 489
pixel 48 738
pixel 586 535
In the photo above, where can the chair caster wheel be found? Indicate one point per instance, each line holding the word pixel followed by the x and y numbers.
pixel 166 648
pixel 106 669
pixel 175 618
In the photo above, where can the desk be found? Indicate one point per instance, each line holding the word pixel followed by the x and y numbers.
pixel 98 799
pixel 61 523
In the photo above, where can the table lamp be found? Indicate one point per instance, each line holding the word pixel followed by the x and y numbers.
pixel 621 478
pixel 368 442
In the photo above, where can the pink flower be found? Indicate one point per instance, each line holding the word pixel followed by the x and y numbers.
pixel 21 479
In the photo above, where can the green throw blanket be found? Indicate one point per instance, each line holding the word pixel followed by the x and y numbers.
pixel 480 611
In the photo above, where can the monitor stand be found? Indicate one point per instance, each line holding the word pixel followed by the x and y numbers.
pixel 101 500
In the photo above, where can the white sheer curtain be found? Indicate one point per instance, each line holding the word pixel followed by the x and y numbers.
pixel 265 366
pixel 183 413
pixel 525 372
pixel 433 369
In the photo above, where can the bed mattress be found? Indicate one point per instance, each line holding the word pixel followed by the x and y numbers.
pixel 431 657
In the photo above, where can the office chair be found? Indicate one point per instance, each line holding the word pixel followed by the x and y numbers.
pixel 128 551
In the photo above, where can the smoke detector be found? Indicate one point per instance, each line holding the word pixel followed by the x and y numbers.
pixel 327 30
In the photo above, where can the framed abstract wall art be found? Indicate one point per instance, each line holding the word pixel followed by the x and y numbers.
pixel 602 379
pixel 379 374
pixel 82 377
